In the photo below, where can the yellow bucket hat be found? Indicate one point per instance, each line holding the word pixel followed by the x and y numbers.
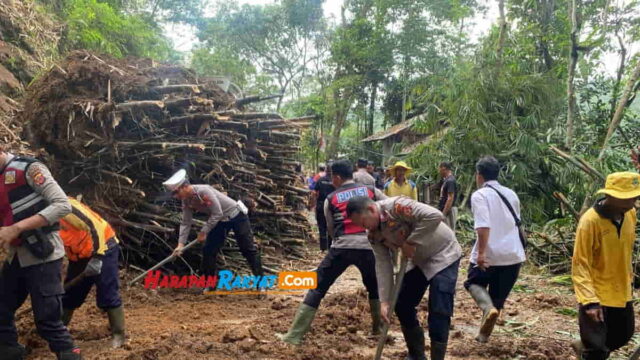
pixel 622 185
pixel 400 164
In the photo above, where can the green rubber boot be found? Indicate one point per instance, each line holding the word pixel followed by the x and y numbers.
pixel 301 324
pixel 376 317
pixel 67 314
pixel 116 322
pixel 489 312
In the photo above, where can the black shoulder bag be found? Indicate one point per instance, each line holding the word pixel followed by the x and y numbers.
pixel 521 231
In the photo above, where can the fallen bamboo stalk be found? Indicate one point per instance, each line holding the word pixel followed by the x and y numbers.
pixel 579 163
pixel 168 89
pixel 560 196
pixel 140 105
pixel 253 99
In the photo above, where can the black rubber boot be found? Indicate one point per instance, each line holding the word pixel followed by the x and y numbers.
pixel 67 314
pixel 414 338
pixel 12 352
pixel 116 322
pixel 376 317
pixel 438 350
pixel 72 354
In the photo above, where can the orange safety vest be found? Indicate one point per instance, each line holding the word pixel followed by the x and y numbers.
pixel 84 232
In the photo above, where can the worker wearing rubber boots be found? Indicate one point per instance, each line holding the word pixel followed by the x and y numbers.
pixel 602 270
pixel 31 206
pixel 224 214
pixel 92 249
pixel 348 247
pixel 498 252
pixel 420 231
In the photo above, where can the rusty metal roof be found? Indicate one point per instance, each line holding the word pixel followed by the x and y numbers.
pixel 394 130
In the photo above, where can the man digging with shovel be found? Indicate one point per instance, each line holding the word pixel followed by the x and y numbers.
pixel 434 253
pixel 92 249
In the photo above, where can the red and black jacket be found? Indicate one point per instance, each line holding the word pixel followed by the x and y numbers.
pixel 338 201
pixel 18 200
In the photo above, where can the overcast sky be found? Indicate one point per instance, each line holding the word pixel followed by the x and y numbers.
pixel 184 37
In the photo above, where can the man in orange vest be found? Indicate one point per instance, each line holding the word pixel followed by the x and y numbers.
pixel 92 249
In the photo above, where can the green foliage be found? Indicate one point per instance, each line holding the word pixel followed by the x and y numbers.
pixel 101 27
pixel 223 62
pixel 504 116
pixel 563 280
pixel 571 312
pixel 275 41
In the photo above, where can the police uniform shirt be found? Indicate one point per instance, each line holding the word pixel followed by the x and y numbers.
pixel 42 182
pixel 210 201
pixel 423 226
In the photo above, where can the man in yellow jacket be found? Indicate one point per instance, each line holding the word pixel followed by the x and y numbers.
pixel 399 185
pixel 602 271
pixel 92 249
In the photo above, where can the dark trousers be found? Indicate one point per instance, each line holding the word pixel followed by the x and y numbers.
pixel 601 338
pixel 334 264
pixel 43 283
pixel 107 283
pixel 325 242
pixel 215 241
pixel 441 296
pixel 499 279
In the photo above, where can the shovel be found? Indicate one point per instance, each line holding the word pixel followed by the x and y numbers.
pixel 161 263
pixel 394 298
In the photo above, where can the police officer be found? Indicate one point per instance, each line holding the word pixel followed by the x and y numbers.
pixel 92 249
pixel 31 205
pixel 418 229
pixel 321 189
pixel 224 214
pixel 350 247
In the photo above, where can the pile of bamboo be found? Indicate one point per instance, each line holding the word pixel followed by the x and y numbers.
pixel 116 129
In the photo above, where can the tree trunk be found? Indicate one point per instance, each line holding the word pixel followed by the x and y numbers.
pixel 502 22
pixel 621 67
pixel 622 105
pixel 573 61
pixel 372 108
pixel 342 103
pixel 545 20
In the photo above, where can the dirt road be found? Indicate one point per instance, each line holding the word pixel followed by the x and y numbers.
pixel 538 324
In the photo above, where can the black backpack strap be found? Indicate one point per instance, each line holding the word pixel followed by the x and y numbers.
pixel 506 202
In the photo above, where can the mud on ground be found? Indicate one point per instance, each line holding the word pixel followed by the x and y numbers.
pixel 538 324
